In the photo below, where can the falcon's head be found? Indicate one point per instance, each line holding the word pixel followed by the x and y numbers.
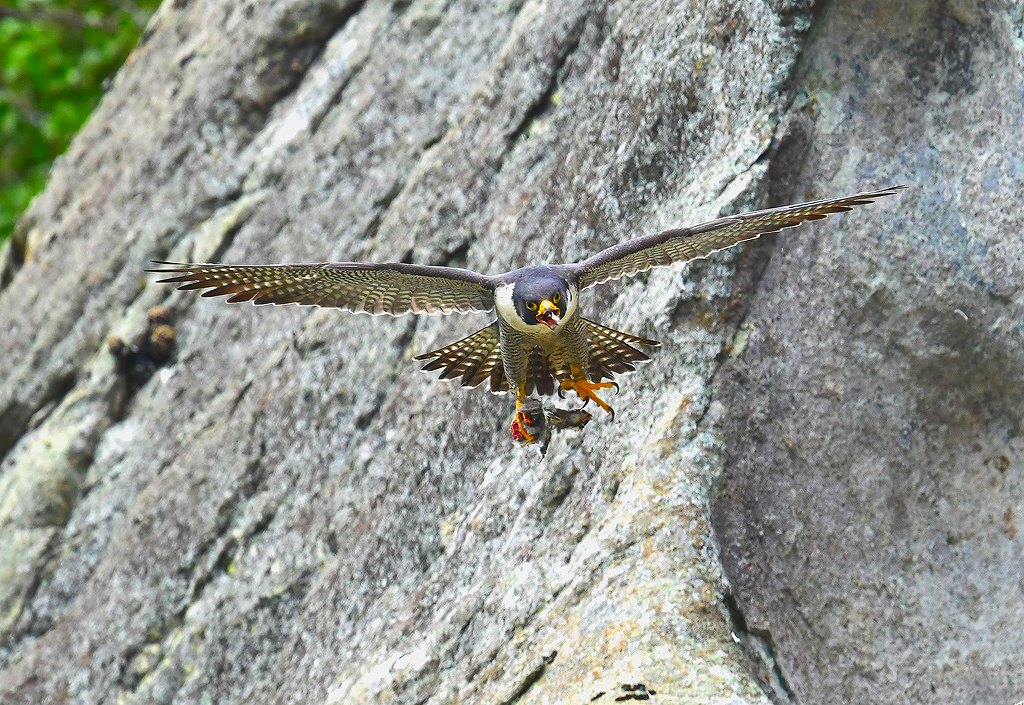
pixel 542 299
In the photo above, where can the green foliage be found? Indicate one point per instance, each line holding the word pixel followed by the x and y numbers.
pixel 54 58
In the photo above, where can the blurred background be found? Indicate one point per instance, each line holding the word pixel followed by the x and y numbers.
pixel 55 56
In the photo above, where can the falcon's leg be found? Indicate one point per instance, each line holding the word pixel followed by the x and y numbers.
pixel 522 421
pixel 586 390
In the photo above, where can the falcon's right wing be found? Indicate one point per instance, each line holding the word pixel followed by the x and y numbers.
pixel 392 289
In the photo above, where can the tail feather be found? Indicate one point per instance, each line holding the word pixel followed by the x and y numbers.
pixel 477 358
pixel 472 360
pixel 540 376
pixel 612 352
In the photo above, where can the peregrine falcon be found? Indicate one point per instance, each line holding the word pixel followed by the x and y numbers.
pixel 540 341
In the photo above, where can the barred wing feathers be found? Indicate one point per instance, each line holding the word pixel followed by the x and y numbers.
pixel 471 360
pixel 685 244
pixel 612 352
pixel 392 289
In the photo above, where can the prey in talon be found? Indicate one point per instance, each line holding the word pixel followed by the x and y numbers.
pixel 540 342
pixel 534 424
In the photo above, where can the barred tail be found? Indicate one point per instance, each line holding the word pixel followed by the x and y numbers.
pixel 473 359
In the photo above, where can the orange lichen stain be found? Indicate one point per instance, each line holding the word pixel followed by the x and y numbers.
pixel 723 29
pixel 708 320
pixel 668 442
pixel 617 637
pixel 684 405
pixel 698 529
pixel 1011 529
pixel 733 305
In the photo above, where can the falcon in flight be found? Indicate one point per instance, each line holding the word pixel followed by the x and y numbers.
pixel 540 342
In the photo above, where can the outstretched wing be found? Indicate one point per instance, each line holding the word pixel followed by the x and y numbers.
pixel 685 244
pixel 376 289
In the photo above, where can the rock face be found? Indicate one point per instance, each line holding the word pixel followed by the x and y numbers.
pixel 287 512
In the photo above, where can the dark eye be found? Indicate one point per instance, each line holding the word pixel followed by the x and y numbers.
pixel 555 298
pixel 532 305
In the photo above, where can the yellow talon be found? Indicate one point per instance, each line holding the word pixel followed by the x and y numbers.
pixel 521 420
pixel 585 389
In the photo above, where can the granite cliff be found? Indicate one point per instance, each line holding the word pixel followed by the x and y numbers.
pixel 811 495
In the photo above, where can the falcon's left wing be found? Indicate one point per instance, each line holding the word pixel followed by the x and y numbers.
pixel 685 244
pixel 377 289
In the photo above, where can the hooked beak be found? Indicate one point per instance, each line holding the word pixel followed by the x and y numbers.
pixel 548 314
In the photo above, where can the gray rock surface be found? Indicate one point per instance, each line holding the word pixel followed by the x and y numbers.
pixel 287 512
pixel 869 509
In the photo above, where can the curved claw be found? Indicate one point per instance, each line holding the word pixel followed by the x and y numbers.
pixel 561 393
pixel 615 386
pixel 586 390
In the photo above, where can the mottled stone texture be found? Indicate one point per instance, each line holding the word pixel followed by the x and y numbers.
pixel 870 507
pixel 287 512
